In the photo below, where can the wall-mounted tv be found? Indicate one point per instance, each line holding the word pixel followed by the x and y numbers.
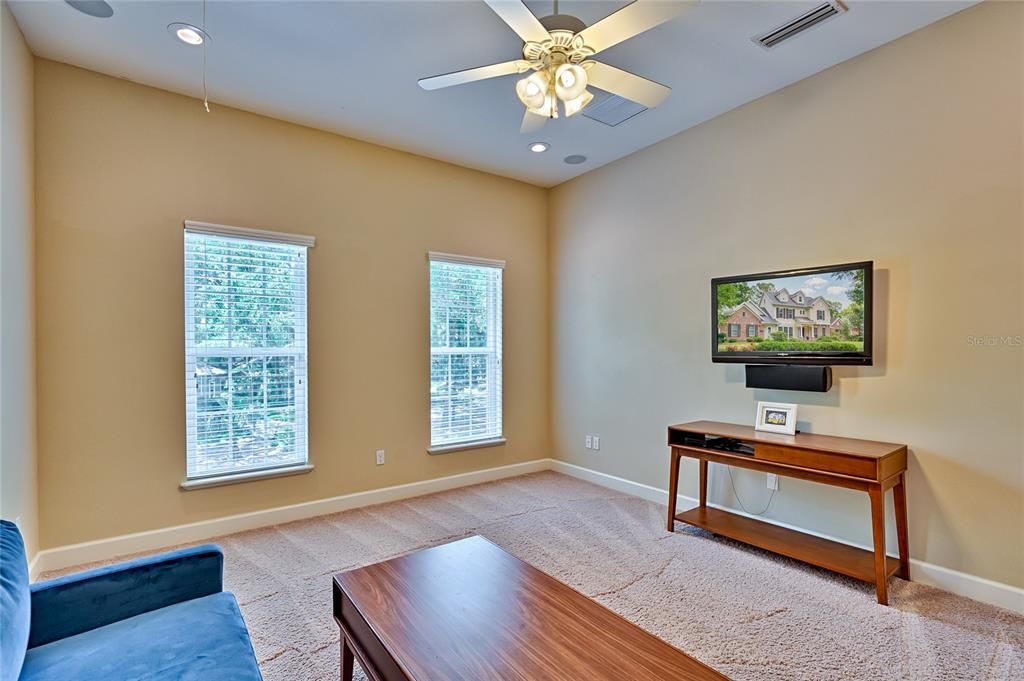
pixel 816 315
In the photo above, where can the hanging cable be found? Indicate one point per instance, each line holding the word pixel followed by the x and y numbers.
pixel 206 99
pixel 739 501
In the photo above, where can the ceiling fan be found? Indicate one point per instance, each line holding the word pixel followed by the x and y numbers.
pixel 558 49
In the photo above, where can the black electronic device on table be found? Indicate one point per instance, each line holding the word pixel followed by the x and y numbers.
pixel 725 444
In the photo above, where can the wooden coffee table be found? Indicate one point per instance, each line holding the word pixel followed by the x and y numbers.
pixel 470 611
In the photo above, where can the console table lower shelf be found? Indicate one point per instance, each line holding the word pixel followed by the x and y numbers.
pixel 824 553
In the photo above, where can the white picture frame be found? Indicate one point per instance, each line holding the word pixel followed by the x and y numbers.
pixel 776 417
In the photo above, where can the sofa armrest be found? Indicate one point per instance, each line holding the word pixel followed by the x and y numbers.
pixel 83 601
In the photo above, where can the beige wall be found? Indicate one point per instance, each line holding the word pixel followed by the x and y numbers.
pixel 119 167
pixel 17 346
pixel 910 155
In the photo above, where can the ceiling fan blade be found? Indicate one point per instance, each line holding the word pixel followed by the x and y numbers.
pixel 631 20
pixel 469 75
pixel 626 84
pixel 520 19
pixel 532 122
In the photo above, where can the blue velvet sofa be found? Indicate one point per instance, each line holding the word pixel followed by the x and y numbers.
pixel 163 617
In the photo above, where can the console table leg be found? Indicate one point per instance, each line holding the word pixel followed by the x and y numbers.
pixel 899 500
pixel 703 483
pixel 673 487
pixel 877 494
pixel 347 660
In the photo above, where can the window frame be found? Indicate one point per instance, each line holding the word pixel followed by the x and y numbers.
pixel 496 312
pixel 300 353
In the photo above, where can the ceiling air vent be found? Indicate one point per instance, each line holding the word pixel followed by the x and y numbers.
pixel 611 109
pixel 790 29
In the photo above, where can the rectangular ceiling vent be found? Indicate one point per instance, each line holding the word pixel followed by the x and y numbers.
pixel 611 109
pixel 794 27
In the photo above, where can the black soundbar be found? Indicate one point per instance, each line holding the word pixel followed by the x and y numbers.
pixel 790 377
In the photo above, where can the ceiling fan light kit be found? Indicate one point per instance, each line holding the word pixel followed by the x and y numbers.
pixel 560 72
pixel 558 49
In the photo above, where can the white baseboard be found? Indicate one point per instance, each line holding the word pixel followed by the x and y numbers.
pixel 960 583
pixel 33 567
pixel 636 489
pixel 111 547
pixel 963 584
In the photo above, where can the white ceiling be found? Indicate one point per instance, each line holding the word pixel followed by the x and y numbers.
pixel 352 67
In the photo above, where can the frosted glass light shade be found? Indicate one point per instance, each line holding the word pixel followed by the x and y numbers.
pixel 570 81
pixel 548 108
pixel 533 90
pixel 574 106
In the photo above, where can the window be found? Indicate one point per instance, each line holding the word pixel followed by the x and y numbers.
pixel 734 331
pixel 789 331
pixel 751 330
pixel 821 315
pixel 245 350
pixel 465 351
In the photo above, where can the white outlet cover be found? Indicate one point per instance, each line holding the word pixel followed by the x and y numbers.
pixel 589 442
pixel 773 481
pixel 597 442
pixel 380 457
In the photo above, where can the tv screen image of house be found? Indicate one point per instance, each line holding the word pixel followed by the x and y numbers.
pixel 819 315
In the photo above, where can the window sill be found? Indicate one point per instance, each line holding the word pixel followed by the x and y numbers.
pixel 236 478
pixel 461 446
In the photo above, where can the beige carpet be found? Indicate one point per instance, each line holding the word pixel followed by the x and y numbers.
pixel 746 613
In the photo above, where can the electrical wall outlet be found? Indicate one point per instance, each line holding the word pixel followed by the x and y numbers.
pixel 596 442
pixel 380 457
pixel 590 442
pixel 773 481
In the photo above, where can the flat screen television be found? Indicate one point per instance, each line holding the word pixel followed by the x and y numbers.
pixel 816 315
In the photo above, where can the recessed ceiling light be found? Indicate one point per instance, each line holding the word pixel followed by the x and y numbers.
pixel 94 8
pixel 538 147
pixel 187 33
pixel 575 159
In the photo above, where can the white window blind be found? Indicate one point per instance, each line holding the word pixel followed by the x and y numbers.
pixel 245 350
pixel 465 350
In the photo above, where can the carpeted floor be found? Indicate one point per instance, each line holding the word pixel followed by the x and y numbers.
pixel 746 613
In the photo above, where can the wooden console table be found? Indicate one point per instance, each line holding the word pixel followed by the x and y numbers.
pixel 865 465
